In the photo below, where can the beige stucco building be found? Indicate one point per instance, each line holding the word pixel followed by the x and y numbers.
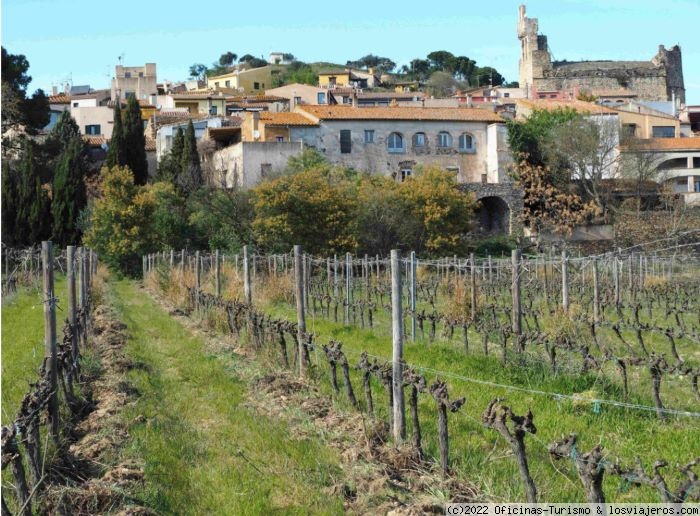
pixel 251 81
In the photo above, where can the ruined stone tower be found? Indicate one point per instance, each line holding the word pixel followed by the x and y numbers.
pixel 660 78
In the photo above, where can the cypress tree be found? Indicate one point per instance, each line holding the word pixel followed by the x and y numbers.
pixel 190 178
pixel 69 197
pixel 170 165
pixel 10 204
pixel 116 155
pixel 33 222
pixel 135 142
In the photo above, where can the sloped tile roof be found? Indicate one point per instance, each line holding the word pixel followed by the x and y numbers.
pixel 401 113
pixel 285 118
pixel 61 98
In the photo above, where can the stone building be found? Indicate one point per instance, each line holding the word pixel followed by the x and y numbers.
pixel 140 81
pixel 660 78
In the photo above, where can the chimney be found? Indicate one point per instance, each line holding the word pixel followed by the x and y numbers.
pixel 292 101
pixel 54 90
pixel 66 88
pixel 354 99
pixel 469 101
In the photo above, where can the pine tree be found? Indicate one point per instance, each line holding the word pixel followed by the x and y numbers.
pixel 116 155
pixel 190 178
pixel 135 142
pixel 69 196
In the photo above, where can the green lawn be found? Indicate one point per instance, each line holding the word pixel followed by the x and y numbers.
pixel 23 342
pixel 204 451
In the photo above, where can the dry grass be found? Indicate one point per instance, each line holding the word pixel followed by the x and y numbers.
pixel 274 290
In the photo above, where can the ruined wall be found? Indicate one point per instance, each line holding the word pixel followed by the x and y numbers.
pixel 656 79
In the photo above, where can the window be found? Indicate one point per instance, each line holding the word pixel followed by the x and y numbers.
pixel 93 129
pixel 466 143
pixel 265 169
pixel 506 95
pixel 332 80
pixel 297 100
pixel 662 131
pixel 263 85
pixel 395 143
pixel 697 186
pixel 345 141
pixel 256 85
pixel 129 94
pixel 212 110
pixel 127 75
pixel 453 169
pixel 280 138
pixel 141 74
pixel 227 84
pixel 405 174
pixel 369 136
pixel 444 139
pixel 75 104
pixel 629 129
pixel 321 97
pixel 419 140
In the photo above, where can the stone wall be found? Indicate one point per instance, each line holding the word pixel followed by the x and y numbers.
pixel 509 193
pixel 376 158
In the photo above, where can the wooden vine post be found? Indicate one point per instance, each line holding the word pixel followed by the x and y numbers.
pixel 399 425
pixel 217 274
pixel 301 319
pixel 50 334
pixel 565 281
pixel 413 295
pixel 472 280
pixel 596 293
pixel 517 314
pixel 72 306
pixel 247 291
pixel 348 286
pixel 496 416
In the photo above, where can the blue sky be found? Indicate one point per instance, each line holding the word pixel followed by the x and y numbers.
pixel 82 39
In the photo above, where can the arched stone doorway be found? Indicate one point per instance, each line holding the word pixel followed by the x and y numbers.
pixel 493 216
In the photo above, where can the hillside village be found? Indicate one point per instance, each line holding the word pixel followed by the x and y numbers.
pixel 390 123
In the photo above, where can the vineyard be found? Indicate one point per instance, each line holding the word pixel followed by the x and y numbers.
pixel 524 378
pixel 577 377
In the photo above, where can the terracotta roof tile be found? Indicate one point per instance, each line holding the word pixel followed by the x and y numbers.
pixel 95 141
pixel 285 118
pixel 402 113
pixel 150 145
pixel 61 98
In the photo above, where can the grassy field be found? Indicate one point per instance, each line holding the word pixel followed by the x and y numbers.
pixel 23 343
pixel 205 452
pixel 481 455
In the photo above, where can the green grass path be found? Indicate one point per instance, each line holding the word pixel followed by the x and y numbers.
pixel 204 451
pixel 23 342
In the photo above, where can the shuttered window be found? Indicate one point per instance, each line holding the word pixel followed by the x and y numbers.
pixel 345 142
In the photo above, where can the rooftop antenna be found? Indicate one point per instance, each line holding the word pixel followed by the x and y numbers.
pixel 121 58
